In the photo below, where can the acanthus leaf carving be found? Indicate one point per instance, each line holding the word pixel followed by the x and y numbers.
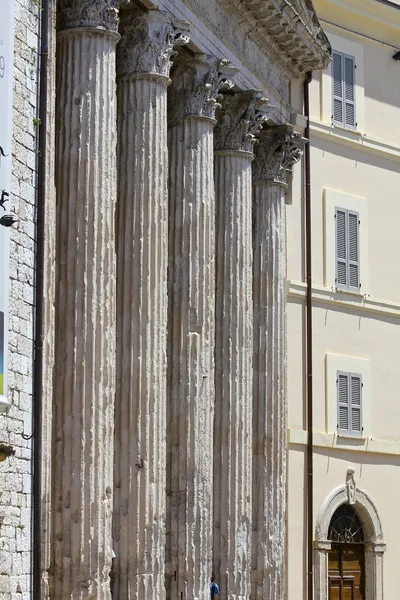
pixel 197 84
pixel 240 120
pixel 147 43
pixel 279 149
pixel 88 14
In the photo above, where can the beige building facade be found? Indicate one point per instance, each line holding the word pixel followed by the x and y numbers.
pixel 355 306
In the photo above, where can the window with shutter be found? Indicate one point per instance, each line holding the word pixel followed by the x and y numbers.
pixel 343 90
pixel 349 404
pixel 347 250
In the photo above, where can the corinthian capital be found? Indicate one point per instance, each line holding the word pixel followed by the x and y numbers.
pixel 240 120
pixel 196 87
pixel 88 14
pixel 147 43
pixel 280 147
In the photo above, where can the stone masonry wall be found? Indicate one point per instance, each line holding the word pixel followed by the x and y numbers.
pixel 16 471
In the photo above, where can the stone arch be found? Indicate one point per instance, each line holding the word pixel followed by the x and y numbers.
pixel 374 541
pixel 364 507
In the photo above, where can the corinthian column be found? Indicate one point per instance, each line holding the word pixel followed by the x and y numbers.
pixel 140 442
pixel 278 150
pixel 193 101
pixel 240 120
pixel 85 303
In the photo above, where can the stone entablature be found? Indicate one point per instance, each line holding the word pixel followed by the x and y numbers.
pixel 288 32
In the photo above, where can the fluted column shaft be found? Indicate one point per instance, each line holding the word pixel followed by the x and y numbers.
pixel 278 150
pixel 270 409
pixel 140 457
pixel 239 120
pixel 85 305
pixel 192 246
pixel 192 332
pixel 233 380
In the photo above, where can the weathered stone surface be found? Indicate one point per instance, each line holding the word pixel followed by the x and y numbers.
pixel 191 330
pixel 85 315
pixel 197 86
pixel 278 150
pixel 142 259
pixel 88 14
pixel 240 119
pixel 147 43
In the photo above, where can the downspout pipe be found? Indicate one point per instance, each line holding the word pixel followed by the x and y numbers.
pixel 39 302
pixel 309 354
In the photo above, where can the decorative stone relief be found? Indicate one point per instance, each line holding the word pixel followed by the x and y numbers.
pixel 351 486
pixel 240 120
pixel 197 84
pixel 280 148
pixel 147 43
pixel 88 14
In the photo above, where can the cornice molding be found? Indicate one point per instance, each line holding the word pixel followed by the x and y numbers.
pixel 196 87
pixel 99 15
pixel 359 303
pixel 355 140
pixel 289 32
pixel 298 437
pixel 279 149
pixel 147 43
pixel 239 121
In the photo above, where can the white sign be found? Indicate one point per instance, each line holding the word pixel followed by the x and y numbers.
pixel 6 87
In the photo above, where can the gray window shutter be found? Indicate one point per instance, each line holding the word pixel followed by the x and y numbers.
pixel 349 92
pixel 347 224
pixel 337 88
pixel 342 382
pixel 356 403
pixel 341 248
pixel 353 251
pixel 343 90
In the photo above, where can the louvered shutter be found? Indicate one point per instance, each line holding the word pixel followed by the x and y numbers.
pixel 341 248
pixel 343 90
pixel 353 251
pixel 337 88
pixel 349 92
pixel 347 224
pixel 342 383
pixel 356 404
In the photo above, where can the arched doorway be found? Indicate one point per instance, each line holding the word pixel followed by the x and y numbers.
pixel 374 544
pixel 346 560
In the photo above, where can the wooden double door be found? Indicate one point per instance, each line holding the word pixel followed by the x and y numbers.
pixel 347 572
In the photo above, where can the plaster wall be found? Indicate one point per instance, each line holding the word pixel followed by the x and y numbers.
pixel 374 474
pixel 362 167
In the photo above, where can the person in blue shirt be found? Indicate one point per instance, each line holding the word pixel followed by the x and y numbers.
pixel 214 589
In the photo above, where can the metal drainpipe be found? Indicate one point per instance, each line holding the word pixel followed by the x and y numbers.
pixel 309 365
pixel 38 347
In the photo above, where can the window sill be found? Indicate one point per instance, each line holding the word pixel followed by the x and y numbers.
pixel 342 438
pixel 348 293
pixel 344 130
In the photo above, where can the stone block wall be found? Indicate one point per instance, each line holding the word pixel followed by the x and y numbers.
pixel 16 425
